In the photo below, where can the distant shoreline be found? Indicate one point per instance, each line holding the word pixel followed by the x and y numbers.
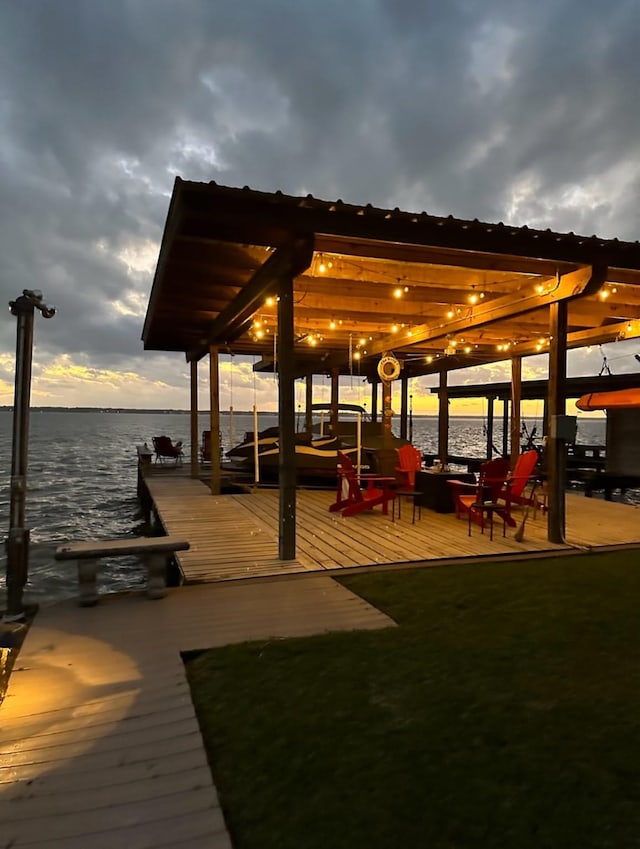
pixel 124 410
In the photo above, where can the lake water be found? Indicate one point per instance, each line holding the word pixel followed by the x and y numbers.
pixel 83 472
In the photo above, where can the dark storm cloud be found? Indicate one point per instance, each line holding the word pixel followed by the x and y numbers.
pixel 503 110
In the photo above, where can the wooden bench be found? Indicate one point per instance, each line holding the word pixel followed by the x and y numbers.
pixel 155 552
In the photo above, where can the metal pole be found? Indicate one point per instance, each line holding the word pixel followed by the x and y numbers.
pixel 18 540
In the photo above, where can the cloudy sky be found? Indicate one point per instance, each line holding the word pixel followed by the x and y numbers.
pixel 503 110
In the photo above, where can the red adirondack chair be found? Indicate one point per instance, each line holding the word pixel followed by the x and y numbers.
pixel 409 462
pixel 351 499
pixel 522 475
pixel 491 486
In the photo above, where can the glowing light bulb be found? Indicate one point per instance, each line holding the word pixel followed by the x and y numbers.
pixel 473 298
pixel 450 314
pixel 467 349
pixel 362 341
pixel 332 325
pixel 260 334
pixel 394 328
pixel 356 356
pixel 397 293
pixel 429 359
pixel 269 302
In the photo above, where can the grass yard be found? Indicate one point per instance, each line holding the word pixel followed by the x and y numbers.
pixel 504 711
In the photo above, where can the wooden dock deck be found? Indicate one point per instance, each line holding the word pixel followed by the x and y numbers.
pixel 236 536
pixel 99 742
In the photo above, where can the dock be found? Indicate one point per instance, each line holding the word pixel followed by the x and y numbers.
pixel 99 742
pixel 235 536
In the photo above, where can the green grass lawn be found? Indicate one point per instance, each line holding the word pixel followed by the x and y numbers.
pixel 503 712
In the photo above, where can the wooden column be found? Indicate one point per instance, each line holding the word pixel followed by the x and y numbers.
pixel 374 401
pixel 308 403
pixel 404 408
pixel 387 413
pixel 286 422
pixel 505 427
pixel 195 467
pixel 443 419
pixel 335 398
pixel 516 395
pixel 556 449
pixel 214 419
pixel 490 402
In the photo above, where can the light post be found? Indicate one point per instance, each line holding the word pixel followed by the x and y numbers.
pixel 18 540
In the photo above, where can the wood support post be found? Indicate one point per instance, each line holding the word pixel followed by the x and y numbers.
pixel 516 395
pixel 214 392
pixel 374 401
pixel 505 427
pixel 490 403
pixel 387 413
pixel 193 412
pixel 286 422
pixel 335 399
pixel 87 583
pixel 556 448
pixel 443 419
pixel 404 408
pixel 308 403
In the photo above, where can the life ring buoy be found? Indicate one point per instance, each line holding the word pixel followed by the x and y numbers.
pixel 388 368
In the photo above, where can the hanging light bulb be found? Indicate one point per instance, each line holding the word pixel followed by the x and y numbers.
pixel 397 293
pixel 322 267
pixel 332 325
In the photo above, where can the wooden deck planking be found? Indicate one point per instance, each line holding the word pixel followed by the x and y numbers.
pixel 99 743
pixel 235 536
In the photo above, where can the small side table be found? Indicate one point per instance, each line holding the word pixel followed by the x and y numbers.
pixel 488 508
pixel 416 498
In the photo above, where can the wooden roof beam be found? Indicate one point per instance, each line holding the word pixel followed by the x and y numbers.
pixel 287 261
pixel 584 281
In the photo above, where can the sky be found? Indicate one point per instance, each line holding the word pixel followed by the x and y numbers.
pixel 508 111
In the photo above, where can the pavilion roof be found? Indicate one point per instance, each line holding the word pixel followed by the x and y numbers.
pixel 440 292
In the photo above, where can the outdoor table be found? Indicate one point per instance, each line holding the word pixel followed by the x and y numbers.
pixel 436 492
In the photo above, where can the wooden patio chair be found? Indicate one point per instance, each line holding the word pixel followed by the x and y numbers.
pixel 491 485
pixel 166 450
pixel 351 499
pixel 409 462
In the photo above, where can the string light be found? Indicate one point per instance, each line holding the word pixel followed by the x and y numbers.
pixel 397 293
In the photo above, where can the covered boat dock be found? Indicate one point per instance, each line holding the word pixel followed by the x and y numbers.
pixel 323 287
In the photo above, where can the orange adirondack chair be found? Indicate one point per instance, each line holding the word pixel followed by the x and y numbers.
pixel 490 486
pixel 166 450
pixel 351 499
pixel 409 462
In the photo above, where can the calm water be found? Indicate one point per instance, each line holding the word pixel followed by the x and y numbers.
pixel 82 480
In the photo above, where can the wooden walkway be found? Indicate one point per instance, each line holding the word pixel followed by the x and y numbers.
pixel 99 743
pixel 236 536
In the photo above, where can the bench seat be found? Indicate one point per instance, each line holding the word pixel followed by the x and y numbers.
pixel 155 552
